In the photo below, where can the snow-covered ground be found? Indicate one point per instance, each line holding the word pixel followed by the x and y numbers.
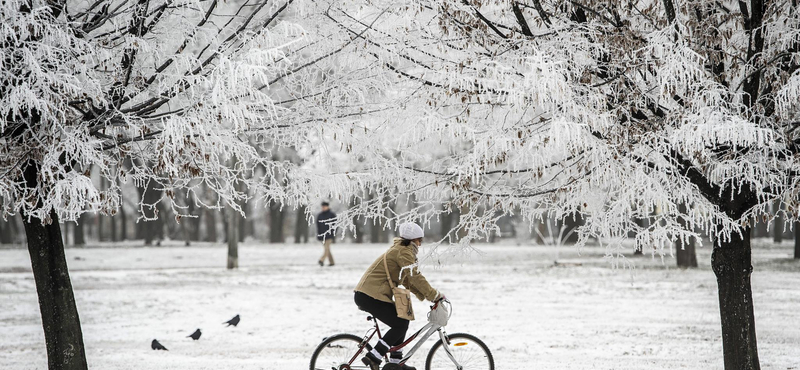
pixel 533 314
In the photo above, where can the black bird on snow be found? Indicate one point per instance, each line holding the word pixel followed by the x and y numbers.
pixel 157 346
pixel 196 335
pixel 234 321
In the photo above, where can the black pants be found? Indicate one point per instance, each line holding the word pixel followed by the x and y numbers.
pixel 387 314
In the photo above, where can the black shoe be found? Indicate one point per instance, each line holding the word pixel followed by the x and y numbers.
pixel 330 265
pixel 320 263
pixel 391 366
pixel 371 364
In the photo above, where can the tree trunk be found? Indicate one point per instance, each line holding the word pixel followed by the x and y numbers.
pixel 445 222
pixel 462 232
pixel 540 232
pixel 685 252
pixel 60 321
pixel 375 231
pixel 571 224
pixel 140 230
pixel 233 239
pixel 112 225
pixel 185 231
pixel 359 230
pixel 194 222
pixel 275 223
pixel 101 235
pixel 242 222
pixel 62 326
pixel 78 238
pixel 731 263
pixel 6 234
pixel 761 228
pixel 211 225
pixel 778 224
pixel 301 226
pixel 796 240
pixel 123 222
pixel 643 223
pixel 153 229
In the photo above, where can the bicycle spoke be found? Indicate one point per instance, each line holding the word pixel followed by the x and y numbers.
pixel 469 354
pixel 338 353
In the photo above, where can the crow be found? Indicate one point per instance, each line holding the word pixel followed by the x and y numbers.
pixel 195 335
pixel 157 346
pixel 234 321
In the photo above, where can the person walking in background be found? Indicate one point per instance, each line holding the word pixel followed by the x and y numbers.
pixel 325 232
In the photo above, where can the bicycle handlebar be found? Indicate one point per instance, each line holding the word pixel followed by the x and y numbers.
pixel 445 300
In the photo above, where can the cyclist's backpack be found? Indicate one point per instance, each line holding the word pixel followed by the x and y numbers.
pixel 402 297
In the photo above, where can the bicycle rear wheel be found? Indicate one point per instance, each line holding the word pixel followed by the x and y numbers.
pixel 335 353
pixel 470 352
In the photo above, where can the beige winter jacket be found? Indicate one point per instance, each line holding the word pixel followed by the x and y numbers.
pixel 375 285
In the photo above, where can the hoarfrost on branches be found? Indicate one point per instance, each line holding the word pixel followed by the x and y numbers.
pixel 606 111
pixel 186 94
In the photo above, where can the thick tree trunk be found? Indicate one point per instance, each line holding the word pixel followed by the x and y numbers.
pixel 301 226
pixel 60 321
pixel 62 326
pixel 233 239
pixel 731 263
pixel 797 240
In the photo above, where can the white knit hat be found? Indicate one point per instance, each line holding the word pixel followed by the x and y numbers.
pixel 411 231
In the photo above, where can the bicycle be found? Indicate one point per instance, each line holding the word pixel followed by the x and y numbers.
pixel 462 352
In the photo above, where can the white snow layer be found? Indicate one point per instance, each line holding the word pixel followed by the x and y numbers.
pixel 580 314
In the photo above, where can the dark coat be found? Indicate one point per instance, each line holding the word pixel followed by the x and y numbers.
pixel 324 230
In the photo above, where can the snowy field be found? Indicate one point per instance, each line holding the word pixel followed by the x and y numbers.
pixel 533 314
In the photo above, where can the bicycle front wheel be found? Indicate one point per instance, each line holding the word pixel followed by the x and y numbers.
pixel 467 350
pixel 336 352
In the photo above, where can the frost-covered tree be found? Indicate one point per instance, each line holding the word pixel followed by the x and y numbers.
pixel 604 109
pixel 174 89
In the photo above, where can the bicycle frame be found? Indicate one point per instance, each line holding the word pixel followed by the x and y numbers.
pixel 429 329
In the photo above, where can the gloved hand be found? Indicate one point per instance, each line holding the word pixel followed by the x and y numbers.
pixel 439 297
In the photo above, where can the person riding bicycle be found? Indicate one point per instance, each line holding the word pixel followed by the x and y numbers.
pixel 373 294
